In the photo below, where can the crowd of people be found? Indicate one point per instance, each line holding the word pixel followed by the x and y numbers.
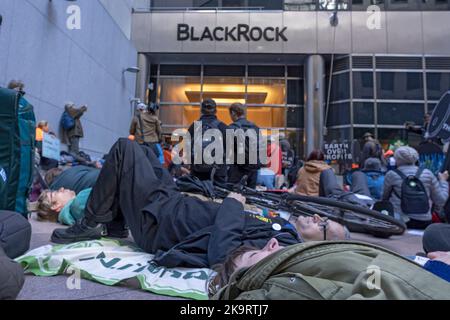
pixel 134 191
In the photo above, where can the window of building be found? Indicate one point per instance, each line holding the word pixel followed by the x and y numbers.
pixel 389 136
pixel 266 91
pixel 300 5
pixel 266 4
pixel 340 87
pixel 333 4
pixel 400 85
pixel 225 90
pixel 295 117
pixel 399 113
pixel 363 113
pixel 363 85
pixel 266 71
pixel 340 134
pixel 180 90
pixel 437 85
pixel 295 92
pixel 338 114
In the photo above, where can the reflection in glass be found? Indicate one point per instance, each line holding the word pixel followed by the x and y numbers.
pixel 300 5
pixel 224 90
pixel 295 92
pixel 339 114
pixel 363 113
pixel 437 85
pixel 340 87
pixel 266 91
pixel 400 85
pixel 399 113
pixel 333 4
pixel 176 90
pixel 267 117
pixel 295 117
pixel 363 85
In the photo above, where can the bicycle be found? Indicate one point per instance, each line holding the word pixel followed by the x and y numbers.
pixel 355 217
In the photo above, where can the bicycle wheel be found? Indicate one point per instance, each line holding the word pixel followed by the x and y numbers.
pixel 355 218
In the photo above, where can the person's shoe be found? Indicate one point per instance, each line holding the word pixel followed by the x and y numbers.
pixel 76 233
pixel 116 233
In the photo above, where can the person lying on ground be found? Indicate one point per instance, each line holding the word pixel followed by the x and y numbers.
pixel 436 238
pixel 323 270
pixel 134 189
pixel 76 178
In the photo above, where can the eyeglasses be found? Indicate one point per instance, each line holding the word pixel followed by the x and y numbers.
pixel 323 224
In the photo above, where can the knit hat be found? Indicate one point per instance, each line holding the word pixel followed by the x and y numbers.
pixel 406 156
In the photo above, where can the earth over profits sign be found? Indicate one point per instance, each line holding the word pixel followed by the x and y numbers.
pixel 338 152
pixel 240 32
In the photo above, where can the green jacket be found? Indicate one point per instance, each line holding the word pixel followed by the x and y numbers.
pixel 334 271
pixel 74 209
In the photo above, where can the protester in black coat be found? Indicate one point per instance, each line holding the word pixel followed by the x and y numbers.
pixel 209 120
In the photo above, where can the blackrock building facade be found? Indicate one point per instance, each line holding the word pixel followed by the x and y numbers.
pixel 313 73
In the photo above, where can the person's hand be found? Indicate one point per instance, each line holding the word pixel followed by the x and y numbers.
pixel 443 176
pixel 440 256
pixel 185 171
pixel 238 197
pixel 84 108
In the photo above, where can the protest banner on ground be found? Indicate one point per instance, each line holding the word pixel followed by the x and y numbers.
pixel 111 262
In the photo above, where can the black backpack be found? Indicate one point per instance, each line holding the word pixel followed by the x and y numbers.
pixel 204 167
pixel 414 198
pixel 247 126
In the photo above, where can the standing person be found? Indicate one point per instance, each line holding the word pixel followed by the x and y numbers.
pixel 41 129
pixel 146 128
pixel 237 171
pixel 208 121
pixel 371 149
pixel 73 132
pixel 410 189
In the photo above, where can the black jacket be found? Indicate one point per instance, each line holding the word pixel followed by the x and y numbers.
pixel 11 277
pixel 76 179
pixel 195 233
pixel 245 125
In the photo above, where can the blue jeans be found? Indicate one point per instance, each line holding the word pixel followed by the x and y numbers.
pixel 266 180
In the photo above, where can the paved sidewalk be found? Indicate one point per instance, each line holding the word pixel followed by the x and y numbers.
pixel 54 288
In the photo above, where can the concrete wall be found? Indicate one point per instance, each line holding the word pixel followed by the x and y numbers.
pixel 308 32
pixel 58 65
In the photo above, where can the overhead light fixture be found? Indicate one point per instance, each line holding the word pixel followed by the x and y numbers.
pixel 132 70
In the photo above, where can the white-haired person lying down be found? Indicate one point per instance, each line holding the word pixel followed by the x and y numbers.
pixel 134 190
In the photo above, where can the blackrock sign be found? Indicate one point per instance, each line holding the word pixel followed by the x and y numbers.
pixel 240 32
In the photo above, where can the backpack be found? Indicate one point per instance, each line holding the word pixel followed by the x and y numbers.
pixel 17 144
pixel 255 166
pixel 204 167
pixel 414 198
pixel 375 182
pixel 67 121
